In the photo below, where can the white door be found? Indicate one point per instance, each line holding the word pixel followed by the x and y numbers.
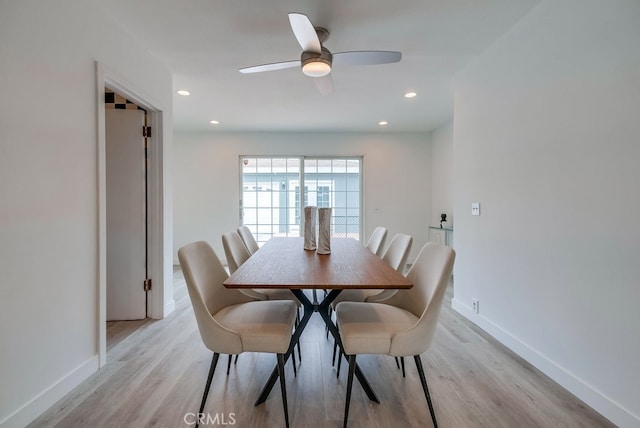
pixel 126 231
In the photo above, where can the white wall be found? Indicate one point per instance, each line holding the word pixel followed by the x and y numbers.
pixel 397 171
pixel 442 174
pixel 546 138
pixel 49 192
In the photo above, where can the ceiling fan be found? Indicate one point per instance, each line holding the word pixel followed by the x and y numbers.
pixel 316 60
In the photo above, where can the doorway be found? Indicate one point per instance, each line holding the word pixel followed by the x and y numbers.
pixel 157 304
pixel 126 194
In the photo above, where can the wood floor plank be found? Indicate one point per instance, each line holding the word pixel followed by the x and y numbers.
pixel 156 371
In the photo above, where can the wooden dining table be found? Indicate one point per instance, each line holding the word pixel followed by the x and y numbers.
pixel 282 262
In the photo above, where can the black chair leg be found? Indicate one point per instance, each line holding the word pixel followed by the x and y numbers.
pixel 212 369
pixel 423 380
pixel 235 361
pixel 352 368
pixel 229 364
pixel 333 358
pixel 335 346
pixel 402 364
pixel 283 388
pixel 298 344
pixel 397 363
pixel 293 362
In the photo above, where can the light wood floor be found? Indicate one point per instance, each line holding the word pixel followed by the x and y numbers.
pixel 157 368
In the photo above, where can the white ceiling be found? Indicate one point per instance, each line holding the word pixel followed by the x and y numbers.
pixel 205 42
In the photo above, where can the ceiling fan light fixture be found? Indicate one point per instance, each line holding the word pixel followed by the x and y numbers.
pixel 316 68
pixel 316 64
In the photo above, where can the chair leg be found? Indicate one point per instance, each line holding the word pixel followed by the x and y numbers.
pixel 352 368
pixel 212 369
pixel 423 380
pixel 235 361
pixel 283 388
pixel 293 362
pixel 298 344
pixel 397 363
pixel 229 363
pixel 402 364
pixel 335 348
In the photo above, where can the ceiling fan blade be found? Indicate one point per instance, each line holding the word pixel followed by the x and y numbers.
pixel 324 84
pixel 270 67
pixel 304 32
pixel 366 57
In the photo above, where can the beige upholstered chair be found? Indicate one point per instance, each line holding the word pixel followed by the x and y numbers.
pixel 405 324
pixel 237 253
pixel 231 322
pixel 248 239
pixel 396 256
pixel 375 244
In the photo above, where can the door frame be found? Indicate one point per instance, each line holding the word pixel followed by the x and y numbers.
pixel 155 202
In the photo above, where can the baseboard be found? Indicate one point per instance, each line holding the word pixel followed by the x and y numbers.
pixel 47 398
pixel 598 401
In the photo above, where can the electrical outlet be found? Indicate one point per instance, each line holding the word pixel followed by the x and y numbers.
pixel 475 208
pixel 475 305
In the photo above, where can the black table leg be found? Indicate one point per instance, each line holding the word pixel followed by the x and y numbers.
pixel 323 310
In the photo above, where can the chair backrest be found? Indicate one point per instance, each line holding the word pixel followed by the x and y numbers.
pixel 430 274
pixel 204 274
pixel 248 239
pixel 397 252
pixel 235 250
pixel 396 256
pixel 375 244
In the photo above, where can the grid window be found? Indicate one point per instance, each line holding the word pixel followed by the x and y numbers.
pixel 271 201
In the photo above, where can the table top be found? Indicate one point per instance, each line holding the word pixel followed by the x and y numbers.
pixel 284 263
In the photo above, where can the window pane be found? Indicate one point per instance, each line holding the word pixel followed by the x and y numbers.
pixel 339 166
pixel 353 182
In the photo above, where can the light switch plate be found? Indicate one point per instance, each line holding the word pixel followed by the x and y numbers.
pixel 475 208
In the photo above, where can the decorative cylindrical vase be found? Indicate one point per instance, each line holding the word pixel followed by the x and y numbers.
pixel 324 230
pixel 310 215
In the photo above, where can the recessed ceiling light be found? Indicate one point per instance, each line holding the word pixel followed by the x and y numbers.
pixel 410 95
pixel 214 122
pixel 184 93
pixel 383 123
